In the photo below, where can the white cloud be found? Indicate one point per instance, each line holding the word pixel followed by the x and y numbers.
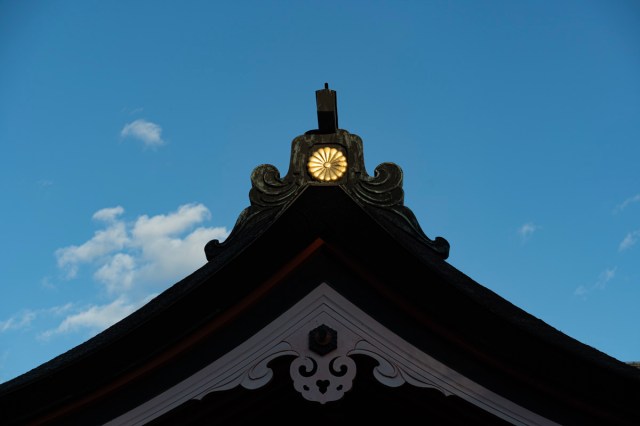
pixel 109 214
pixel 118 273
pixel 149 133
pixel 168 258
pixel 526 231
pixel 103 242
pixel 625 203
pixel 152 251
pixel 601 283
pixel 133 260
pixel 629 240
pixel 93 319
pixel 18 321
pixel 148 228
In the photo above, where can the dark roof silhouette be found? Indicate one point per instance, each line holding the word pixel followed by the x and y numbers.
pixel 327 303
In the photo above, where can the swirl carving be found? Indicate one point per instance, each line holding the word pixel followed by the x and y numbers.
pixel 383 192
pixel 268 195
pixel 324 379
pixel 390 373
pixel 319 159
pixel 268 189
pixel 384 189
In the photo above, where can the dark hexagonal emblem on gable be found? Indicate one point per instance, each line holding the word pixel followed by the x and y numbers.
pixel 323 340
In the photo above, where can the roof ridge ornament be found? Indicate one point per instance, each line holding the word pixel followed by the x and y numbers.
pixel 327 105
pixel 328 156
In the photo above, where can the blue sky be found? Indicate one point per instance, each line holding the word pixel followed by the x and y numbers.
pixel 129 130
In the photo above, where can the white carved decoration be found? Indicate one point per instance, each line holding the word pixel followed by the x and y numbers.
pixel 325 378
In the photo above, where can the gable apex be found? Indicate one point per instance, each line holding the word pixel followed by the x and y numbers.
pixel 321 378
pixel 321 158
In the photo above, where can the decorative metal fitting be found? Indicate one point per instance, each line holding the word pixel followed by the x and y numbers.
pixel 323 340
pixel 327 164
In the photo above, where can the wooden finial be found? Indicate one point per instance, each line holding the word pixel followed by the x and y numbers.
pixel 327 103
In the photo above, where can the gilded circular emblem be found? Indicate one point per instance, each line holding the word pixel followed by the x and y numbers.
pixel 327 164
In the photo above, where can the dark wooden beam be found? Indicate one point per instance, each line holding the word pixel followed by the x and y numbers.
pixel 326 100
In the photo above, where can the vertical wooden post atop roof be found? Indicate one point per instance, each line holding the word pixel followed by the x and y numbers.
pixel 326 100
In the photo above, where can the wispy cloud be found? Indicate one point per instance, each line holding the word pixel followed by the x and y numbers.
pixel 149 133
pixel 18 321
pixel 626 203
pixel 27 317
pixel 109 214
pixel 132 111
pixel 93 319
pixel 629 240
pixel 527 230
pixel 45 282
pixel 601 283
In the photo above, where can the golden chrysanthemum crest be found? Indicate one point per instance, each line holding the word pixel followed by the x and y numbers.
pixel 327 164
